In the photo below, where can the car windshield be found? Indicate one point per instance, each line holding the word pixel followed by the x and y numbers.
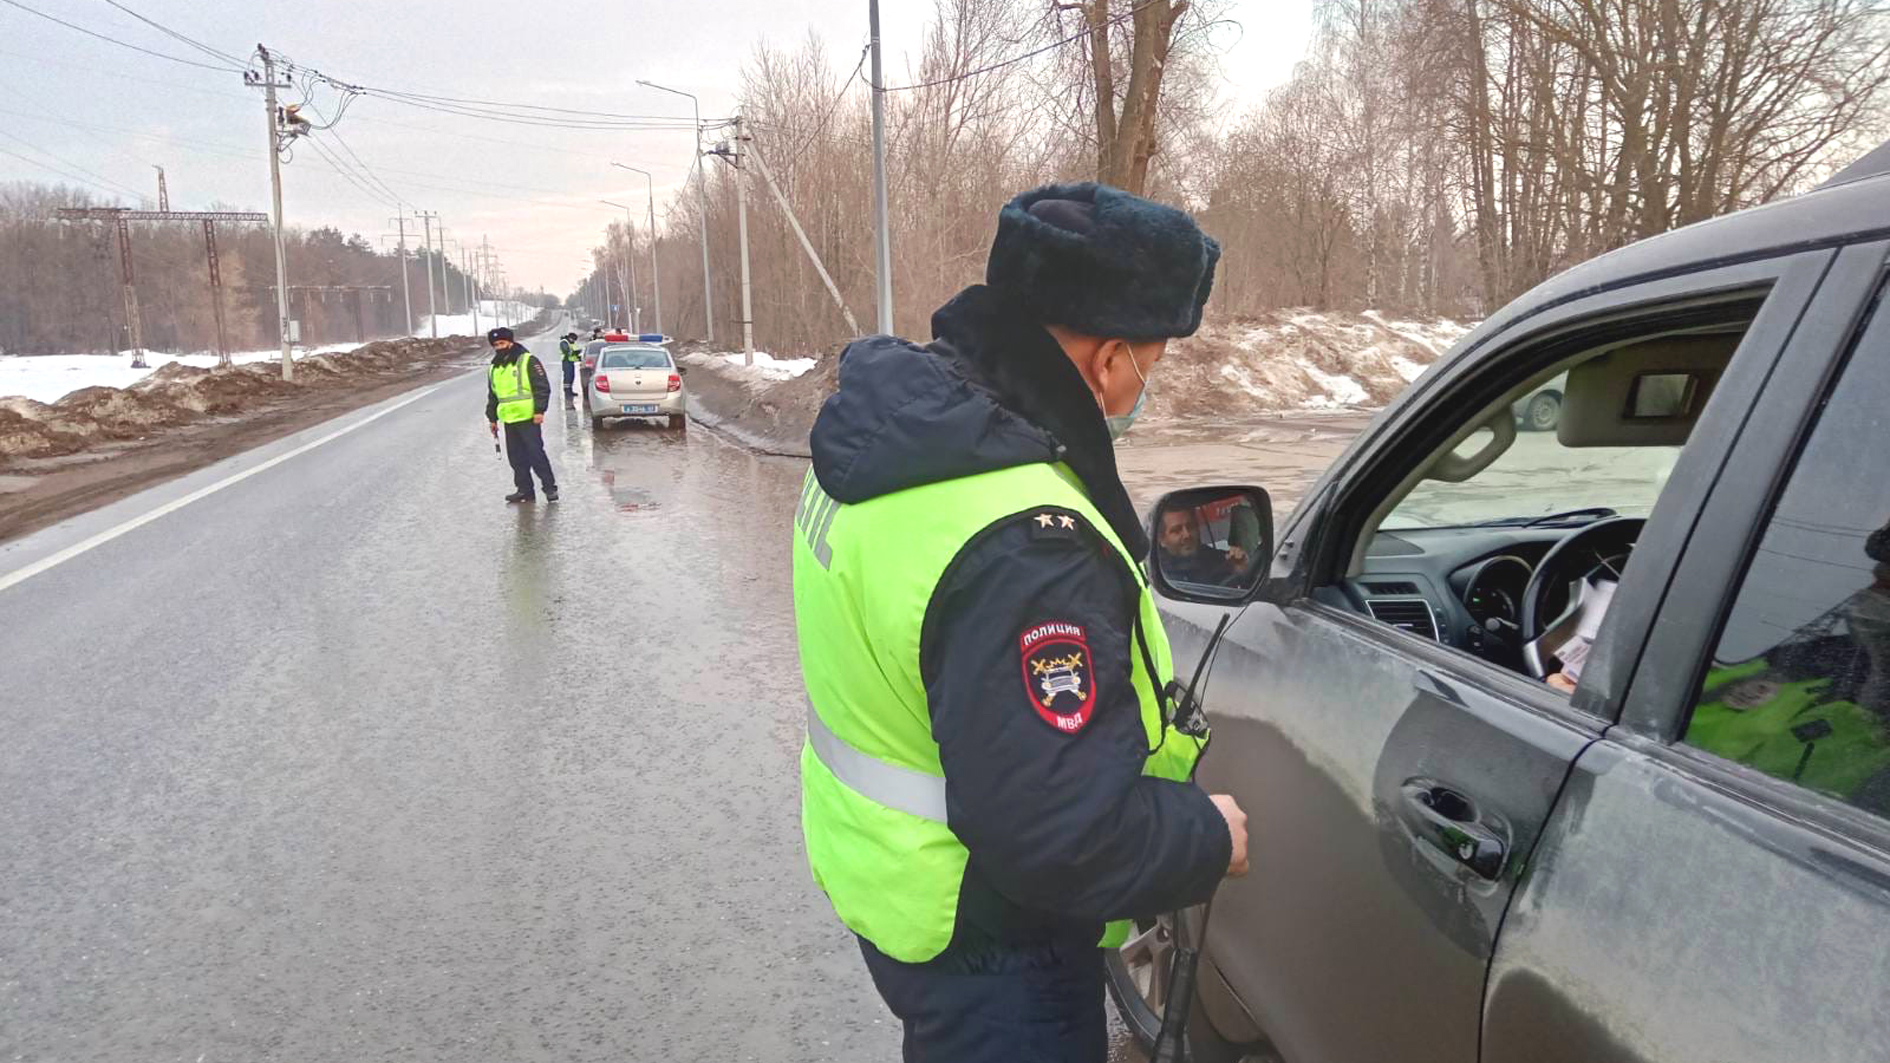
pixel 1538 477
pixel 634 358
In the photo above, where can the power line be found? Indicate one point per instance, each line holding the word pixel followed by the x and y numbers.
pixel 57 170
pixel 1014 60
pixel 431 130
pixel 499 111
pixel 167 31
pixel 224 150
pixel 73 165
pixel 122 44
pixel 365 170
pixel 350 176
pixel 821 126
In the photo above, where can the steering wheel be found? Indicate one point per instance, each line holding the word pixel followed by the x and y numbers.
pixel 1572 588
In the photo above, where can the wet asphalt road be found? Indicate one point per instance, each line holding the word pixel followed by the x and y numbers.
pixel 350 761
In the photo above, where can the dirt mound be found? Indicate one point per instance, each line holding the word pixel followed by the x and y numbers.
pixel 1296 360
pixel 770 416
pixel 176 394
pixel 120 413
pixel 34 437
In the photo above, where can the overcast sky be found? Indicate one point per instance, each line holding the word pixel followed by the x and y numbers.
pixel 107 114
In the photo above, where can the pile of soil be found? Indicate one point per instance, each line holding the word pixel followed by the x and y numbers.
pixel 1288 360
pixel 1295 360
pixel 177 394
pixel 771 416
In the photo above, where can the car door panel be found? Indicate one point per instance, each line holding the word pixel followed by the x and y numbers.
pixel 1357 936
pixel 1667 919
pixel 1364 933
pixel 1682 907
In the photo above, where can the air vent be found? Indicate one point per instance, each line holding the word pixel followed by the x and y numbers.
pixel 1392 588
pixel 1413 615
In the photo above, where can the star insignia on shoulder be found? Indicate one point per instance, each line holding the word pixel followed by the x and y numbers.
pixel 1054 524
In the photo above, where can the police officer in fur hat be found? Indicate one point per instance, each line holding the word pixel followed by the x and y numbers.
pixel 991 787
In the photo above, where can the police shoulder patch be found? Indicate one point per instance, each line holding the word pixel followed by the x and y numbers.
pixel 1059 677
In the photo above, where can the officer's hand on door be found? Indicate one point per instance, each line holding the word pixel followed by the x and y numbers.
pixel 538 418
pixel 1236 829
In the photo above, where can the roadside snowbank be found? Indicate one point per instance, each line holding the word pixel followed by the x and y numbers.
pixel 45 378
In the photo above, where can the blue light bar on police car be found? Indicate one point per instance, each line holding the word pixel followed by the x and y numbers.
pixel 652 337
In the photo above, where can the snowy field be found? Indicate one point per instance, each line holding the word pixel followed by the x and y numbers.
pixel 465 325
pixel 46 378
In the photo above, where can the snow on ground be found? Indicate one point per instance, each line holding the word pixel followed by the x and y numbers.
pixel 45 378
pixel 767 366
pixel 489 315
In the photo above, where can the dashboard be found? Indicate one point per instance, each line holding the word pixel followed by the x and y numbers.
pixel 1463 587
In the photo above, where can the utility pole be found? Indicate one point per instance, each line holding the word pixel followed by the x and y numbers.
pixel 433 315
pixel 270 85
pixel 446 263
pixel 741 227
pixel 732 152
pixel 485 267
pixel 656 281
pixel 761 164
pixel 164 194
pixel 406 294
pixel 465 282
pixel 702 206
pixel 216 284
pixel 883 247
pixel 132 322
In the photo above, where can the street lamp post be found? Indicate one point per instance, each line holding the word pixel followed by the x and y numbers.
pixel 656 280
pixel 702 205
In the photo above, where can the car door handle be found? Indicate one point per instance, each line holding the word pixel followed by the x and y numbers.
pixel 1447 821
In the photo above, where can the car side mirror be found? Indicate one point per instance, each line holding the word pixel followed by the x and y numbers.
pixel 1211 544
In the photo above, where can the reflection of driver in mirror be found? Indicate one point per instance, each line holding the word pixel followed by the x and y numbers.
pixel 1186 559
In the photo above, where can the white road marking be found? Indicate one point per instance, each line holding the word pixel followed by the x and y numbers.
pixel 20 575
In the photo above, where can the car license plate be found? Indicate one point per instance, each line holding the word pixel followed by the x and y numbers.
pixel 639 409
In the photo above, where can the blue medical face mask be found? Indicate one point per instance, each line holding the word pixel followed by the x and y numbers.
pixel 1120 423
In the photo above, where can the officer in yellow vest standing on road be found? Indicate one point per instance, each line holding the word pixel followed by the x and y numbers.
pixel 517 392
pixel 570 354
pixel 991 783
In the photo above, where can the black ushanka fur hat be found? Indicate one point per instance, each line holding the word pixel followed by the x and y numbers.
pixel 1103 262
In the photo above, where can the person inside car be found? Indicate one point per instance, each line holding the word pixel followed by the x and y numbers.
pixel 1185 559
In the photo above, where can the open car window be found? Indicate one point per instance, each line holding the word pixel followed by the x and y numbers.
pixel 1604 433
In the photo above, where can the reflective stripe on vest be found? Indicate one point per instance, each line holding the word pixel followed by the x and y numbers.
pixel 514 391
pixel 900 788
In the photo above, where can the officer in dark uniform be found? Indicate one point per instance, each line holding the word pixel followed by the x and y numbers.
pixel 993 781
pixel 517 393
